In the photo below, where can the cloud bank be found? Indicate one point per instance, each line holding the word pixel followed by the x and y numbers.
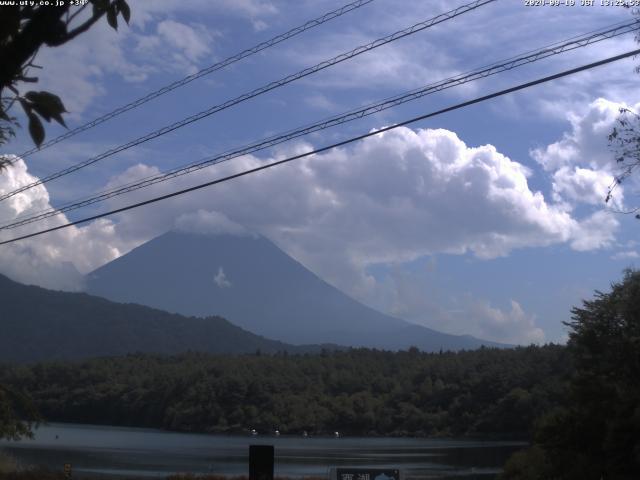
pixel 57 260
pixel 393 198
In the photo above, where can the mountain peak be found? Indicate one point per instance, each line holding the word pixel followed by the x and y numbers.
pixel 251 282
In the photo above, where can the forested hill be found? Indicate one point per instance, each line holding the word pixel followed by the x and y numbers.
pixel 38 324
pixel 486 391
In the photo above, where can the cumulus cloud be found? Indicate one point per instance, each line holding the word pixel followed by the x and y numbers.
pixel 512 325
pixel 583 185
pixel 581 164
pixel 394 197
pixel 58 259
pixel 586 143
pixel 421 299
pixel 596 231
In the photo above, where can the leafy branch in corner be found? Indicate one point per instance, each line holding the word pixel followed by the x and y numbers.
pixel 24 29
pixel 624 140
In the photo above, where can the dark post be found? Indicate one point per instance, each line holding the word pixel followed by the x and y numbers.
pixel 260 462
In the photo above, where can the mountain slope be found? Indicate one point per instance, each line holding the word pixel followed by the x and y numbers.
pixel 38 324
pixel 254 284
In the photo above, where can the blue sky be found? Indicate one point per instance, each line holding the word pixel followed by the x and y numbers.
pixel 487 221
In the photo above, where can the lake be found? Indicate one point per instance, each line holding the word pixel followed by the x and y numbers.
pixel 116 451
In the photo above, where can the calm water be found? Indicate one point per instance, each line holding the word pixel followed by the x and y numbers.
pixel 115 451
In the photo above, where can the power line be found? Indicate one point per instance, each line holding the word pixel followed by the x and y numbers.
pixel 492 69
pixel 259 91
pixel 205 71
pixel 334 145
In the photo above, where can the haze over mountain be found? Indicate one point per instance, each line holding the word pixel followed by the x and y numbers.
pixel 42 325
pixel 254 284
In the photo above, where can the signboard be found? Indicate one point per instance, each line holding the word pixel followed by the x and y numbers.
pixel 260 462
pixel 367 474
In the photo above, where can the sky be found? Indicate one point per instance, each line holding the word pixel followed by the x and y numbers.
pixel 488 221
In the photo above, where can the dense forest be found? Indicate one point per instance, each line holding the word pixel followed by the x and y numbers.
pixel 487 391
pixel 578 404
pixel 594 433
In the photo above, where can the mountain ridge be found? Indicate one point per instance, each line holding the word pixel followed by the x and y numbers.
pixel 39 324
pixel 252 283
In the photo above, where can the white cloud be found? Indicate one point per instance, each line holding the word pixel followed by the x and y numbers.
pixel 512 326
pixel 191 41
pixel 420 298
pixel 57 259
pixel 253 10
pixel 626 255
pixel 177 46
pixel 583 185
pixel 214 223
pixel 221 279
pixel 392 198
pixel 582 164
pixel 596 231
pixel 389 66
pixel 77 70
pixel 586 144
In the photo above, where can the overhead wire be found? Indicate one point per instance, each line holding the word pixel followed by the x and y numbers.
pixel 205 71
pixel 332 146
pixel 259 91
pixel 482 72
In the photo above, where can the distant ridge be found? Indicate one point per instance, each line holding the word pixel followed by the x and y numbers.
pixel 38 324
pixel 254 284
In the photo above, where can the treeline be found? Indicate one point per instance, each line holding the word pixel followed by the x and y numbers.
pixel 594 433
pixel 359 391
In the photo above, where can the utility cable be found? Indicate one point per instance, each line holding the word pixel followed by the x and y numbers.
pixel 259 91
pixel 205 71
pixel 492 69
pixel 334 145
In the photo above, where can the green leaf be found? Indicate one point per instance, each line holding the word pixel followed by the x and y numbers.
pixel 36 129
pixel 47 105
pixel 124 9
pixel 112 16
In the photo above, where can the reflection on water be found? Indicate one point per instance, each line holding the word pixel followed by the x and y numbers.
pixel 144 452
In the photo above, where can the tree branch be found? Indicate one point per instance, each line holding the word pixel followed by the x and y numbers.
pixel 80 29
pixel 76 13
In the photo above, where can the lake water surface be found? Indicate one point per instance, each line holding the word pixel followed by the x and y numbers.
pixel 116 451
